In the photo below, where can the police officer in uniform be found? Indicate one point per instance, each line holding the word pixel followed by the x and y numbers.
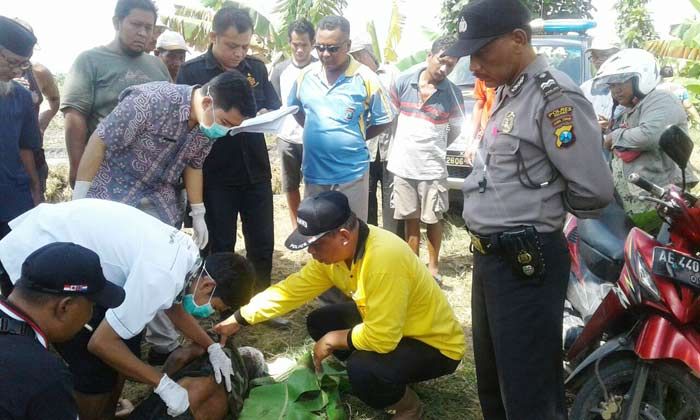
pixel 540 157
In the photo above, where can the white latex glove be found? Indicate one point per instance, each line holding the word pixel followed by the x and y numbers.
pixel 201 233
pixel 81 189
pixel 173 395
pixel 221 364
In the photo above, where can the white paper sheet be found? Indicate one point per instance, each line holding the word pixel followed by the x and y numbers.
pixel 269 122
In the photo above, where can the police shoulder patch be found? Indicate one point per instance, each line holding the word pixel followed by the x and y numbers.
pixel 548 85
pixel 562 120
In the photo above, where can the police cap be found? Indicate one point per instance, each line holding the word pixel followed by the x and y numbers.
pixel 482 21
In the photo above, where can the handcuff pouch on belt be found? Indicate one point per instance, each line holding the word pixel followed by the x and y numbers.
pixel 523 250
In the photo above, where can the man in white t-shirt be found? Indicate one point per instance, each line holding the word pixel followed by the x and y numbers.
pixel 430 116
pixel 154 263
pixel 290 145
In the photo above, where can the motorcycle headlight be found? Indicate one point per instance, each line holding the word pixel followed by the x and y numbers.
pixel 644 276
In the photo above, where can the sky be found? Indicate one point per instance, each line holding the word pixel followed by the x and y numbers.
pixel 66 28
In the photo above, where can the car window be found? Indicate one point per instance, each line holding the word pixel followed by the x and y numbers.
pixel 461 75
pixel 565 58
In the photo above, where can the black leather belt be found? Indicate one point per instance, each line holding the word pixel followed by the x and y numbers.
pixel 485 244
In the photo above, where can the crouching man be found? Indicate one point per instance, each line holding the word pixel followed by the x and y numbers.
pixel 398 329
pixel 54 298
pixel 159 269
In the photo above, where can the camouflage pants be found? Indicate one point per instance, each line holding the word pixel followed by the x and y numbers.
pixel 153 408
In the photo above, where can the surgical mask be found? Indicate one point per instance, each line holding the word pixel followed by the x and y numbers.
pixel 191 307
pixel 197 311
pixel 215 130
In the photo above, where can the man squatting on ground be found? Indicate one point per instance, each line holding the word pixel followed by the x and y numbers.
pixel 397 329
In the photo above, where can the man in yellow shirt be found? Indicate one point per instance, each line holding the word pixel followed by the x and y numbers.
pixel 398 328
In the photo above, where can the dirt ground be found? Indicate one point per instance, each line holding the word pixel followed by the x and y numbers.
pixel 451 397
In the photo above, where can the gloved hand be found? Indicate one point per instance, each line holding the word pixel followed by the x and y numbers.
pixel 173 395
pixel 221 364
pixel 201 234
pixel 81 189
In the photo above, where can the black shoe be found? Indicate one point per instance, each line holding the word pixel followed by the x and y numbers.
pixel 279 323
pixel 156 358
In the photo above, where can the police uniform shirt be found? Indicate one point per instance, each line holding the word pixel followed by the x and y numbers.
pixel 34 383
pixel 540 156
pixel 241 159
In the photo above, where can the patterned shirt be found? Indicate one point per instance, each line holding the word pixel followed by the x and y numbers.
pixel 337 117
pixel 148 144
pixel 420 143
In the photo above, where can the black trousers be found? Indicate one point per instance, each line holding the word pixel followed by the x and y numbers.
pixel 4 229
pixel 91 375
pixel 376 172
pixel 253 202
pixel 517 333
pixel 379 380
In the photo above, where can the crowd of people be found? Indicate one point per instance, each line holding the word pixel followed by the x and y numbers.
pixel 150 152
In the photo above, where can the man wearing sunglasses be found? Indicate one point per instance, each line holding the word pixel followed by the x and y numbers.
pixel 158 267
pixel 20 188
pixel 342 105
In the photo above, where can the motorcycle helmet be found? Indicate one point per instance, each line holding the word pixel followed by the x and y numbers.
pixel 632 63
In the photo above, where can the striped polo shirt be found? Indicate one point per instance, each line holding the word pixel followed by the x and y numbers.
pixel 337 117
pixel 420 144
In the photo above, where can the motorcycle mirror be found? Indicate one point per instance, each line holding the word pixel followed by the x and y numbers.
pixel 677 145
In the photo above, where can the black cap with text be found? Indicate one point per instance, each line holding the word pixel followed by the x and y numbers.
pixel 318 215
pixel 67 269
pixel 482 21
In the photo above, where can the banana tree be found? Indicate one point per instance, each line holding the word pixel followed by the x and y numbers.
pixel 311 10
pixel 195 24
pixel 686 47
pixel 394 32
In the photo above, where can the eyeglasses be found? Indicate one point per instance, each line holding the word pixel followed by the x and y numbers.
pixel 330 48
pixel 13 64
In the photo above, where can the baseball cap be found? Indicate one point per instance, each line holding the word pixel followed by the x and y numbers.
pixel 16 37
pixel 482 21
pixel 603 43
pixel 171 40
pixel 318 215
pixel 359 44
pixel 67 269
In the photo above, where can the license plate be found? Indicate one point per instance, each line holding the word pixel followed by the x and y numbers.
pixel 455 160
pixel 680 267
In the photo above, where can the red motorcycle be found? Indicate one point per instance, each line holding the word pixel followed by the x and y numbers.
pixel 638 355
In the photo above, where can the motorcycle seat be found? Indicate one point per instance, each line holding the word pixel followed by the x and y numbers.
pixel 608 233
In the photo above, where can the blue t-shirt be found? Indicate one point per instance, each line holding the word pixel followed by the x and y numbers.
pixel 337 118
pixel 20 130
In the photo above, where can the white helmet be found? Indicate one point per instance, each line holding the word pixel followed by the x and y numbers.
pixel 627 64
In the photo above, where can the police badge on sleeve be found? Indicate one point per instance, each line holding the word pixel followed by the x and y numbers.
pixel 563 122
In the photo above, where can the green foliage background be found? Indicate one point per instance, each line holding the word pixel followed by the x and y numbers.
pixel 634 24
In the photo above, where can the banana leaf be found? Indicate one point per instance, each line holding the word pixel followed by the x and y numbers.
pixel 304 394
